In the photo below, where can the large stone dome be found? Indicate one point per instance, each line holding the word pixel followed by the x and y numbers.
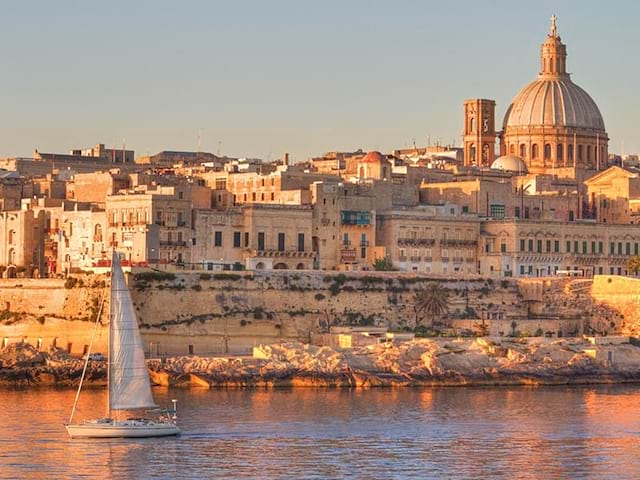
pixel 554 102
pixel 552 122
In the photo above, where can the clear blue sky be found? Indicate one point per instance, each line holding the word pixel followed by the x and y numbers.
pixel 306 77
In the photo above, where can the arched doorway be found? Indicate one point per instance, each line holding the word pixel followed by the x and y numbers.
pixel 259 266
pixel 281 266
pixel 300 266
pixel 12 271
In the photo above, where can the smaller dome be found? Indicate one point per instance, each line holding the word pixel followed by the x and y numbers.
pixel 510 163
pixel 373 157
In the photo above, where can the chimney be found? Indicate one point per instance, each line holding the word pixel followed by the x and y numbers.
pixel 286 158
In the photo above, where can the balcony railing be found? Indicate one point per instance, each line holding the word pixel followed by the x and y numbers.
pixel 415 259
pixel 458 243
pixel 422 242
pixel 402 259
pixel 172 243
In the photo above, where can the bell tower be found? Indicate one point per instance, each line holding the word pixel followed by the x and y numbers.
pixel 479 132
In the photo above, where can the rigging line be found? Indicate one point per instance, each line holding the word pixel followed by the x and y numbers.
pixel 86 362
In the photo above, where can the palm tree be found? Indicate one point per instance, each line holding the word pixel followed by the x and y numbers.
pixel 633 265
pixel 432 300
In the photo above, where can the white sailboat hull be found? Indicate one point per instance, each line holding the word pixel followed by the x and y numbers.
pixel 121 429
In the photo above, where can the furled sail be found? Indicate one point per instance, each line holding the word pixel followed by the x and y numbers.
pixel 129 385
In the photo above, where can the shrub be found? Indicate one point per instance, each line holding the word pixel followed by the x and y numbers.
pixel 227 276
pixel 154 276
pixel 70 282
pixel 196 287
pixel 243 322
pixel 319 296
pixel 205 276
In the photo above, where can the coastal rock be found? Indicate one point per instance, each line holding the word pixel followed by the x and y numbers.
pixel 20 355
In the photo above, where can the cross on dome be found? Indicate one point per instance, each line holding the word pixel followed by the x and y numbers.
pixel 554 27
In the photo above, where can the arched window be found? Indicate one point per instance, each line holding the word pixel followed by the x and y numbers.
pixel 472 124
pixel 384 172
pixel 579 153
pixel 534 151
pixel 512 149
pixel 589 157
pixel 523 150
pixel 361 172
pixel 97 233
pixel 560 152
pixel 570 152
pixel 472 152
pixel 547 151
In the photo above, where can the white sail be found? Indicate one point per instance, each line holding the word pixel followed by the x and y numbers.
pixel 129 385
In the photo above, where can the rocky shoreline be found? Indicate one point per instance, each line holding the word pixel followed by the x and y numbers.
pixel 423 362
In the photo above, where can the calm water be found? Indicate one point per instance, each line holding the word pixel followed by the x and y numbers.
pixel 591 432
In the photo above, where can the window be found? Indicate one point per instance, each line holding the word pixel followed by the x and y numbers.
pixel 503 247
pixel 526 212
pixel 548 246
pixel 556 246
pixel 560 152
pixel 619 248
pixel 534 151
pixel 612 248
pixel 236 239
pixel 246 239
pixel 363 240
pixel 301 242
pixel 497 211
pixel 530 246
pixel 627 249
pixel 517 212
pixel 345 240
pixel 547 151
pixel 575 246
pixel 217 239
pixel 635 249
pixel 584 247
pixel 539 246
pixel 593 247
pixel 571 216
pixel 281 242
pixel 568 246
pixel 522 242
pixel 600 247
pixel 260 240
pixel 521 269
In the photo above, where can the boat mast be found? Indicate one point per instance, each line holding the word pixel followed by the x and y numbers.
pixel 86 361
pixel 109 352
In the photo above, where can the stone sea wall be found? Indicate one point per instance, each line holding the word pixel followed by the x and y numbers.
pixel 233 312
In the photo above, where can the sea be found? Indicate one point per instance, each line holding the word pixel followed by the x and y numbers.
pixel 585 432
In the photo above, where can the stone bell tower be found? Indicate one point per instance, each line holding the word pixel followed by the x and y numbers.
pixel 479 132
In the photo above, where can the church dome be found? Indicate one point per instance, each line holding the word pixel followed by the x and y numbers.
pixel 373 157
pixel 510 163
pixel 554 102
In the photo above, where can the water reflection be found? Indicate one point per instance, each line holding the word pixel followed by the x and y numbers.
pixel 588 432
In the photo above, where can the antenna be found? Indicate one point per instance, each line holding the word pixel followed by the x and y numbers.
pixel 219 146
pixel 199 140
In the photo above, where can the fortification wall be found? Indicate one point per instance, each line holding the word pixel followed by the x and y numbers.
pixel 232 312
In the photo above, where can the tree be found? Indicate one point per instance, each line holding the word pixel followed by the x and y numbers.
pixel 514 325
pixel 383 265
pixel 633 265
pixel 432 300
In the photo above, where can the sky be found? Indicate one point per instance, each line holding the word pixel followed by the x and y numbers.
pixel 260 78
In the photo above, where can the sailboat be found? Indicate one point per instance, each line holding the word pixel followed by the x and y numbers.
pixel 129 387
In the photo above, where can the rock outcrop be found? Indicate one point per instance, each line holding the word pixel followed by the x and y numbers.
pixel 423 362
